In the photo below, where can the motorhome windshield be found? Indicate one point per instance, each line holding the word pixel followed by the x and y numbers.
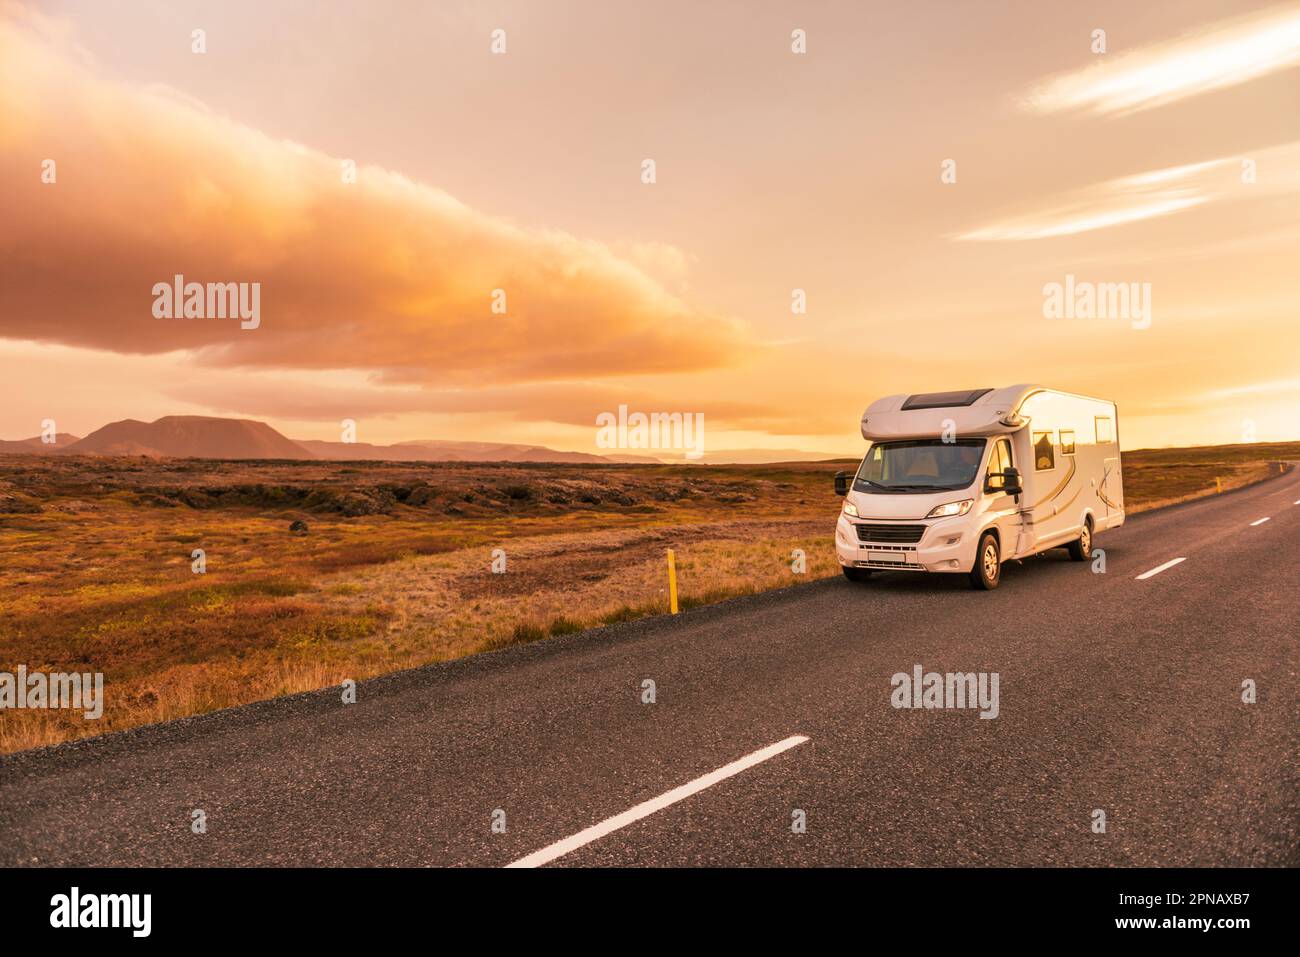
pixel 927 465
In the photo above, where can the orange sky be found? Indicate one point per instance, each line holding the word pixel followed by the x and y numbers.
pixel 775 171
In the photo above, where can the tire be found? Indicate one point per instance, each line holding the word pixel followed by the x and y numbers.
pixel 987 571
pixel 855 574
pixel 1081 548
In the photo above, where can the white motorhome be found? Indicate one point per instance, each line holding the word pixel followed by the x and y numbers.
pixel 964 481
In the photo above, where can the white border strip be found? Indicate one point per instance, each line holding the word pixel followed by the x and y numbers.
pixel 646 808
pixel 1260 521
pixel 1159 568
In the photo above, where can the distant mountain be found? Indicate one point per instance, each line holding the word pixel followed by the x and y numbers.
pixel 441 450
pixel 758 457
pixel 190 436
pixel 211 437
pixel 359 451
pixel 629 459
pixel 444 450
pixel 35 444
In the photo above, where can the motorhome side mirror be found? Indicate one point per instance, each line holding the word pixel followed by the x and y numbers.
pixel 1011 481
pixel 842 483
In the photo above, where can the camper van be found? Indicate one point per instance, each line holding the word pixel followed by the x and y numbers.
pixel 961 482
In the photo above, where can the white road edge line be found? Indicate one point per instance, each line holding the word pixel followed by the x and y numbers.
pixel 1159 568
pixel 646 808
pixel 1260 521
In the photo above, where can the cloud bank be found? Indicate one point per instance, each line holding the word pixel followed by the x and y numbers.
pixel 385 274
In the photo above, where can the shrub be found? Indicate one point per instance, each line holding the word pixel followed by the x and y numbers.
pixel 526 632
pixel 565 626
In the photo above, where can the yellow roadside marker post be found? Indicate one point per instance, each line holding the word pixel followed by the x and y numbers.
pixel 672 583
pixel 1218 485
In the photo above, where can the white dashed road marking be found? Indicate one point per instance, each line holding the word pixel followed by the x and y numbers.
pixel 1260 521
pixel 1159 568
pixel 646 808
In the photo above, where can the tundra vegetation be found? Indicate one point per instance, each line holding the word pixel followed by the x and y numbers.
pixel 389 565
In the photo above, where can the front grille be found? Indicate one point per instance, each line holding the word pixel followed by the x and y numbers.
pixel 914 566
pixel 906 534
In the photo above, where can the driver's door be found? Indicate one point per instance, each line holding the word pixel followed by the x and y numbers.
pixel 1003 507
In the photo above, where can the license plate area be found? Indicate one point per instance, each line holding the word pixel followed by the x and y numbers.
pixel 896 558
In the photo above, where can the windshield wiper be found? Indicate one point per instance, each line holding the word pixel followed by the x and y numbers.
pixel 928 488
pixel 904 487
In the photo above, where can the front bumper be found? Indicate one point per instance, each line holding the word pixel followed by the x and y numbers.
pixel 948 545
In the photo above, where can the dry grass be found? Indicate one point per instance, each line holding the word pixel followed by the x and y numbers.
pixel 1154 478
pixel 394 570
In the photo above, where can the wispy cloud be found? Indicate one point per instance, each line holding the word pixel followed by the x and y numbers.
pixel 1153 193
pixel 1273 388
pixel 1222 55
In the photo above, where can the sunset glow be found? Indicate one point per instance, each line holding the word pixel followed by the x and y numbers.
pixel 1172 159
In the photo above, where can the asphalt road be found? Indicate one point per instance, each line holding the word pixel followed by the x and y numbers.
pixel 1116 693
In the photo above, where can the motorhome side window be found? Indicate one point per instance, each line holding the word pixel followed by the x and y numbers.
pixel 1044 453
pixel 1067 441
pixel 999 461
pixel 1105 431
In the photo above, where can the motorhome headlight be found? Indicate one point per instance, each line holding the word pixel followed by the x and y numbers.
pixel 952 508
pixel 850 509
